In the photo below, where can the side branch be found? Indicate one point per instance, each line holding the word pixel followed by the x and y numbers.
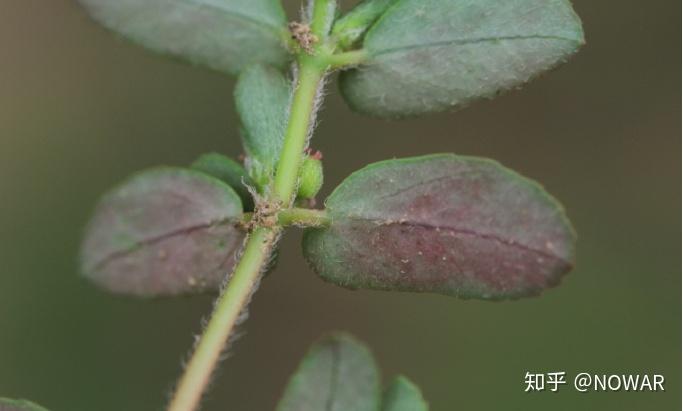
pixel 303 217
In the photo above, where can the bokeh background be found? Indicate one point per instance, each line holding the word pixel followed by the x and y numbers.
pixel 81 109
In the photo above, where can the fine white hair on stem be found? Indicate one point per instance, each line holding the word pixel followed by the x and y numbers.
pixel 240 319
pixel 317 102
pixel 317 106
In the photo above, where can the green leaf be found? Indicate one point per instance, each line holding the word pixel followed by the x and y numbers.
pixel 442 54
pixel 353 25
pixel 7 404
pixel 454 225
pixel 337 374
pixel 230 172
pixel 225 35
pixel 403 395
pixel 262 97
pixel 164 231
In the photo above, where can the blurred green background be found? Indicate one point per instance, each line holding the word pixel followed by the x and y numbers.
pixel 80 109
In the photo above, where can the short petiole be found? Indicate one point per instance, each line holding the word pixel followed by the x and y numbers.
pixel 346 59
pixel 303 217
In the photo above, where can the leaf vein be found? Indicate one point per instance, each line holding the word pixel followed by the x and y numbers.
pixel 334 376
pixel 233 13
pixel 460 42
pixel 157 239
pixel 465 231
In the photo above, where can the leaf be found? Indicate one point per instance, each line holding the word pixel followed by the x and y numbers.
pixel 353 25
pixel 262 97
pixel 337 374
pixel 164 231
pixel 228 171
pixel 225 35
pixel 7 404
pixel 442 54
pixel 403 395
pixel 454 225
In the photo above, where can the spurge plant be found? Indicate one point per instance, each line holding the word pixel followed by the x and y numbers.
pixel 448 224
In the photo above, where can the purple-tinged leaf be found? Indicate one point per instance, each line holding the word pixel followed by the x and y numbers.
pixel 454 225
pixel 164 231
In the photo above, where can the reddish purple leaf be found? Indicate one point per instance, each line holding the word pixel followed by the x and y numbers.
pixel 447 224
pixel 165 231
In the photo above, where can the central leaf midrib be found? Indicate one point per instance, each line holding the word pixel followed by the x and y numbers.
pixel 459 42
pixel 458 230
pixel 157 239
pixel 334 377
pixel 235 14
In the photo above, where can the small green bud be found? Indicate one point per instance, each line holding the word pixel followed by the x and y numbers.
pixel 310 177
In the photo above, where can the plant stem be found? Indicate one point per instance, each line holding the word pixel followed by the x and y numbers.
pixel 322 18
pixel 226 313
pixel 296 136
pixel 258 246
pixel 261 241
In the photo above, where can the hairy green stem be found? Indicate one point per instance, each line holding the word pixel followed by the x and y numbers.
pixel 322 18
pixel 300 217
pixel 303 217
pixel 261 241
pixel 229 305
pixel 301 115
